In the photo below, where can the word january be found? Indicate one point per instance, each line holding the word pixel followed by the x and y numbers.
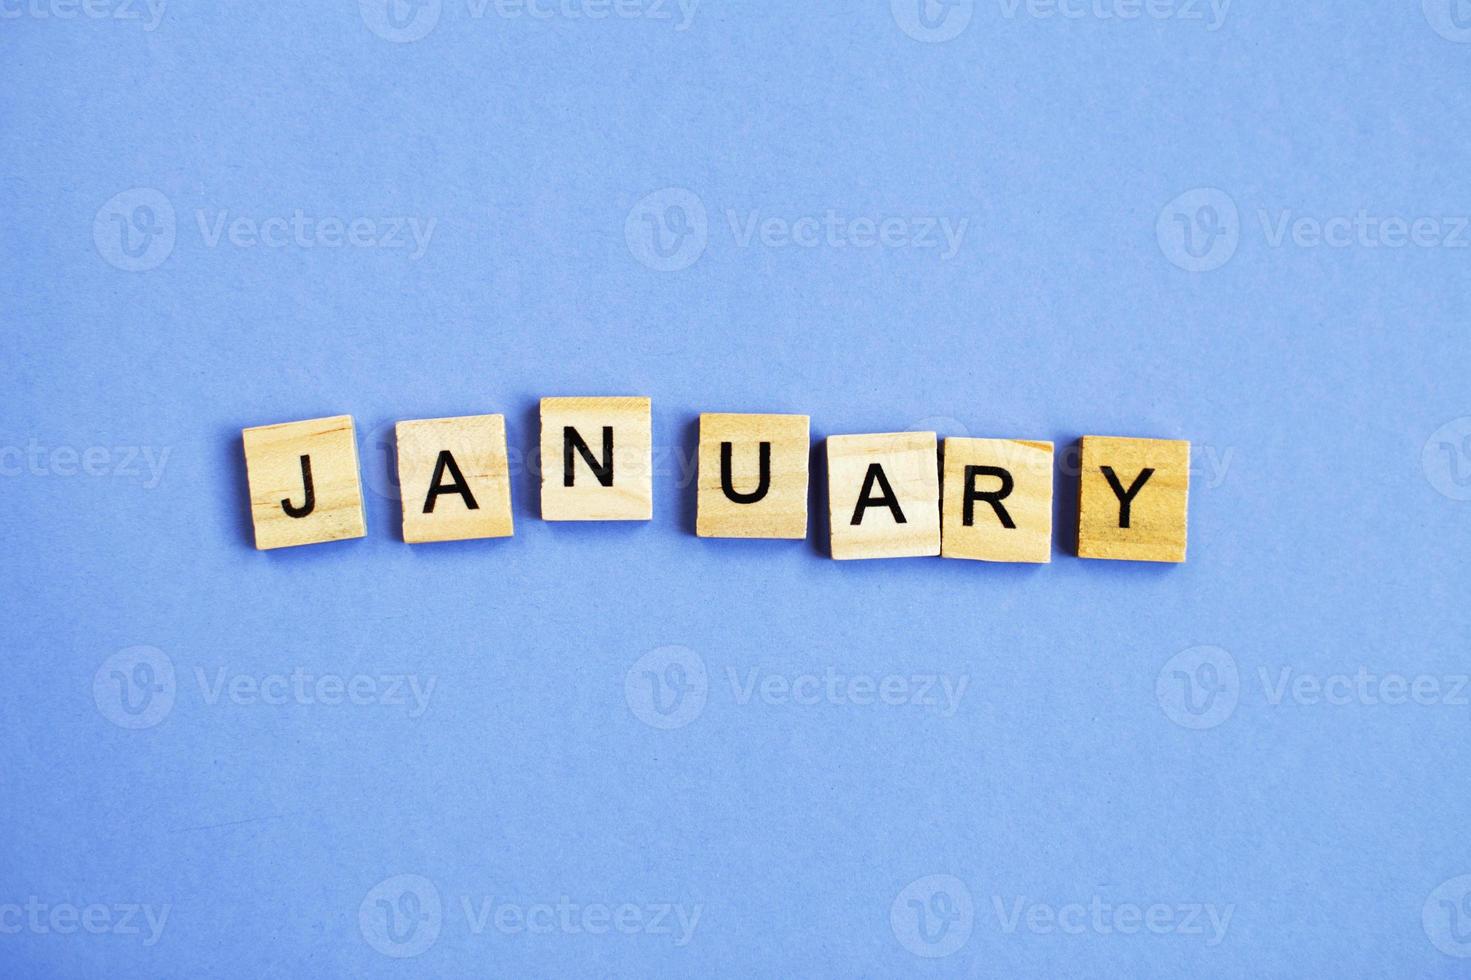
pixel 890 495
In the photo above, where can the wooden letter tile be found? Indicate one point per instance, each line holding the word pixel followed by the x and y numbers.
pixel 304 485
pixel 753 476
pixel 998 500
pixel 1133 499
pixel 454 478
pixel 884 495
pixel 596 459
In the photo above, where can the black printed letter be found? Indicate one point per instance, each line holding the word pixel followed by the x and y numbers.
pixel 446 461
pixel 572 440
pixel 1126 497
pixel 763 483
pixel 887 499
pixel 311 493
pixel 993 498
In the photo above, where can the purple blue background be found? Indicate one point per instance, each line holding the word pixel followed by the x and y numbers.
pixel 1097 756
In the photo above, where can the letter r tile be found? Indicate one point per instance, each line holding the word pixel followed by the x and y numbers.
pixel 997 500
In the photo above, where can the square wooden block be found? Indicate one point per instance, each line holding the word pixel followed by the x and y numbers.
pixel 1133 499
pixel 454 478
pixel 597 459
pixel 884 495
pixel 304 485
pixel 753 476
pixel 997 500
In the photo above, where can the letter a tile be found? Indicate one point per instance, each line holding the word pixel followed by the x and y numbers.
pixel 884 495
pixel 453 478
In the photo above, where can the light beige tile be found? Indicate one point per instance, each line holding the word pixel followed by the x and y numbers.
pixel 997 500
pixel 581 480
pixel 454 478
pixel 884 495
pixel 753 476
pixel 304 484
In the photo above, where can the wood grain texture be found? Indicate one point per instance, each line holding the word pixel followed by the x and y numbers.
pixel 1157 512
pixel 631 495
pixel 782 512
pixel 1027 503
pixel 910 463
pixel 273 468
pixel 477 446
